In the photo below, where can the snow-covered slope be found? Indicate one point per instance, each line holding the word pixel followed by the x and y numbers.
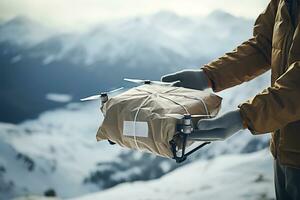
pixel 230 177
pixel 59 151
pixel 53 152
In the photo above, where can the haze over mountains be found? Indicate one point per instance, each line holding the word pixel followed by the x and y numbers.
pixel 36 60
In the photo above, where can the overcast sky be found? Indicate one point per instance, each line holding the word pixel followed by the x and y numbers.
pixel 76 14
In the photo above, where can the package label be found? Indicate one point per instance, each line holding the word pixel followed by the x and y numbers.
pixel 137 128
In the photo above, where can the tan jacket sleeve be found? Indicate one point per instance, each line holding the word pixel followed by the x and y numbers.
pixel 248 60
pixel 276 106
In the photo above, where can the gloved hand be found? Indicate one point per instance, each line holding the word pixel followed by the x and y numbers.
pixel 193 79
pixel 218 128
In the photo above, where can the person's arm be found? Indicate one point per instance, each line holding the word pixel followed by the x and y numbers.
pixel 275 106
pixel 248 60
pixel 268 111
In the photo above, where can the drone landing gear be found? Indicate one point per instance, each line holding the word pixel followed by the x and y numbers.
pixel 184 130
pixel 183 157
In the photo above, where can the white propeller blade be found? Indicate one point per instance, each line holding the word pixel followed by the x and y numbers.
pixel 94 97
pixel 180 116
pixel 139 81
pixel 134 80
pixel 116 90
pixel 162 83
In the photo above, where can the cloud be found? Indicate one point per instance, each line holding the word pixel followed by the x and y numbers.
pixel 80 13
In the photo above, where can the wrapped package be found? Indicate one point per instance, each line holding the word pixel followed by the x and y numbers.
pixel 138 118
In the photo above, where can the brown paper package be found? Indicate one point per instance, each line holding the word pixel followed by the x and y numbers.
pixel 137 119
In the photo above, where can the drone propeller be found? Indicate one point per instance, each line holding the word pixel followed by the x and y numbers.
pixel 140 81
pixel 180 116
pixel 90 98
pixel 94 97
pixel 113 91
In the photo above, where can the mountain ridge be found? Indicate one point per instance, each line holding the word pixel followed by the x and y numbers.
pixel 79 64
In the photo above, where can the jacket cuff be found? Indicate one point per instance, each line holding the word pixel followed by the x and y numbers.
pixel 210 77
pixel 246 121
pixel 209 82
pixel 245 125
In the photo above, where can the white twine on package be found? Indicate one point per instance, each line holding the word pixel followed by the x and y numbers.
pixel 162 96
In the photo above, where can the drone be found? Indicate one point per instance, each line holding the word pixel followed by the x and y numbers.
pixel 185 128
pixel 103 96
pixel 149 82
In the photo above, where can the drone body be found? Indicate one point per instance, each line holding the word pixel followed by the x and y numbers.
pixel 186 132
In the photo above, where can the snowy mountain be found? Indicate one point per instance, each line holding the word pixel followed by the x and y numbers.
pixel 79 64
pixel 161 38
pixel 234 177
pixel 23 32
